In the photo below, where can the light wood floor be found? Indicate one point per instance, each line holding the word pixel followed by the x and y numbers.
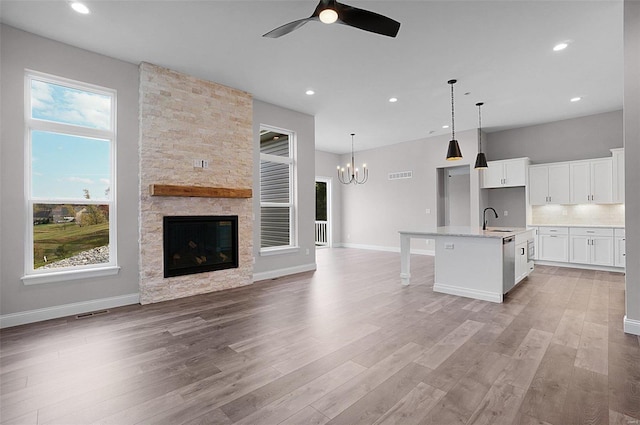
pixel 344 345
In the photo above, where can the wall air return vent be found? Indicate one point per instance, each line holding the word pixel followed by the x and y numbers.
pixel 401 175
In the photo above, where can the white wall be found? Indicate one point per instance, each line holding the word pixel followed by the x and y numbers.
pixel 373 213
pixel 303 259
pixel 632 153
pixel 19 303
pixel 326 164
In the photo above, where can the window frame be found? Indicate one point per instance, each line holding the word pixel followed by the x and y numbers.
pixel 35 276
pixel 291 160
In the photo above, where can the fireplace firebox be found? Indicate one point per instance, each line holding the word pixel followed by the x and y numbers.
pixel 198 244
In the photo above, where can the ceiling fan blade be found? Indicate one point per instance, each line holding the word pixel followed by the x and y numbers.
pixel 367 20
pixel 287 28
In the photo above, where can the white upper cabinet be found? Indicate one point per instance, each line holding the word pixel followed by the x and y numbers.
pixel 505 173
pixel 592 181
pixel 549 184
pixel 618 175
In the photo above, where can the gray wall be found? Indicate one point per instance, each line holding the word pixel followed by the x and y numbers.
pixel 21 50
pixel 632 153
pixel 567 140
pixel 373 213
pixel 303 125
pixel 511 199
pixel 326 164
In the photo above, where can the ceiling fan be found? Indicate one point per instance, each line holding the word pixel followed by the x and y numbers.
pixel 330 11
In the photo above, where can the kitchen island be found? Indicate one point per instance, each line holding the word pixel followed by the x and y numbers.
pixel 471 262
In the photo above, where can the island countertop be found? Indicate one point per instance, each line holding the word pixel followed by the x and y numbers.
pixel 470 231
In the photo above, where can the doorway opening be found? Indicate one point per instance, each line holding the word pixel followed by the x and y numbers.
pixel 323 212
pixel 454 196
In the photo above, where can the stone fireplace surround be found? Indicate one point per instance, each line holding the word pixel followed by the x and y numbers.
pixel 183 118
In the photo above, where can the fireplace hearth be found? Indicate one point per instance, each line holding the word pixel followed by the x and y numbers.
pixel 198 244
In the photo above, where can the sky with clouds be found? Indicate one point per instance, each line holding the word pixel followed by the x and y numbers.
pixel 64 165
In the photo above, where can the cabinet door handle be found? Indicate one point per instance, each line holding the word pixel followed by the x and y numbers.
pixel 590 231
pixel 522 251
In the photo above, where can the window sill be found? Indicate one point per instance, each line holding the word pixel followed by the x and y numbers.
pixel 36 279
pixel 277 251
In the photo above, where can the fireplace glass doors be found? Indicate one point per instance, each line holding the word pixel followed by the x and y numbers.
pixel 197 244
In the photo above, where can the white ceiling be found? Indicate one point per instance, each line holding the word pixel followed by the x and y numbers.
pixel 500 52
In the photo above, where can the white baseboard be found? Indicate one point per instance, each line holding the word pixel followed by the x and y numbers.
pixel 631 326
pixel 272 274
pixel 41 314
pixel 580 266
pixel 469 293
pixel 386 248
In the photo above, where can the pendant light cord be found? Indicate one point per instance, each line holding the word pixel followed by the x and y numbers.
pixel 453 126
pixel 480 125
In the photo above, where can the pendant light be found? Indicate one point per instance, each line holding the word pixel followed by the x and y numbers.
pixel 481 160
pixel 351 175
pixel 453 153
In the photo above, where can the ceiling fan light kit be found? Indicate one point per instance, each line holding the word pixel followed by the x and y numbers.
pixel 328 16
pixel 330 11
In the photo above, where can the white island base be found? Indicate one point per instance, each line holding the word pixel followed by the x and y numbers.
pixel 468 262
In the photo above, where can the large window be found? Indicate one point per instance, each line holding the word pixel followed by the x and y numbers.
pixel 277 195
pixel 70 178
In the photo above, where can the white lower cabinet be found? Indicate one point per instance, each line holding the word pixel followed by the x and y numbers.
pixel 619 248
pixel 522 265
pixel 597 246
pixel 554 244
pixel 591 246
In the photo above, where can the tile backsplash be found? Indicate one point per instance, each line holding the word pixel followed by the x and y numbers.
pixel 587 214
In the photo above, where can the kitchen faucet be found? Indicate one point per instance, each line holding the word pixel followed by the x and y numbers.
pixel 484 220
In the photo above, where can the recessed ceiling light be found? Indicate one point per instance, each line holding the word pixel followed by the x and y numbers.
pixel 310 92
pixel 445 126
pixel 576 99
pixel 393 99
pixel 560 46
pixel 80 8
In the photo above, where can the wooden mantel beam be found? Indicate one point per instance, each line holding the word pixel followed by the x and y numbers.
pixel 198 191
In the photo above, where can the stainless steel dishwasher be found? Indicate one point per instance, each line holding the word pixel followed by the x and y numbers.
pixel 508 264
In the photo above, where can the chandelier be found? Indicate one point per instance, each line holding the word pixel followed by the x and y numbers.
pixel 351 174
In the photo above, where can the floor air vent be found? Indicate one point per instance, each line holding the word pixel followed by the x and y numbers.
pixel 91 314
pixel 401 175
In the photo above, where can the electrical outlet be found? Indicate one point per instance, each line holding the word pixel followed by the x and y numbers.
pixel 506 213
pixel 307 251
pixel 448 246
pixel 564 211
pixel 200 163
pixel 428 211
